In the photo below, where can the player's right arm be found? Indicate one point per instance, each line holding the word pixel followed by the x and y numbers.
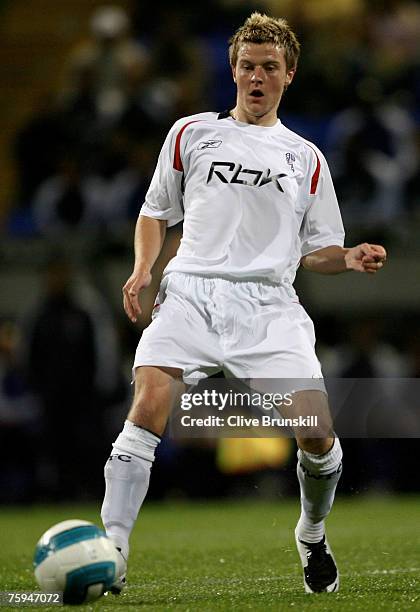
pixel 148 240
pixel 162 208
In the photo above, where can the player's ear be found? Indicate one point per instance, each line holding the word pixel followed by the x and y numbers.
pixel 289 77
pixel 233 72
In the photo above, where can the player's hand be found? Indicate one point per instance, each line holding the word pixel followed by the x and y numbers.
pixel 138 280
pixel 365 258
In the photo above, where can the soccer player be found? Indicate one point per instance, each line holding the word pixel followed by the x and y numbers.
pixel 257 201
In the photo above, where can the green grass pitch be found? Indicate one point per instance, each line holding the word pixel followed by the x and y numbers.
pixel 240 555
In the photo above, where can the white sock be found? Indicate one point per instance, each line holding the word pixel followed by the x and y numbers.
pixel 127 474
pixel 318 477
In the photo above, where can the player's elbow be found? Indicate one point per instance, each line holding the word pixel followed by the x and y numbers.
pixel 304 262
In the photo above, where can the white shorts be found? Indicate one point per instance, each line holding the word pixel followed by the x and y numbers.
pixel 245 329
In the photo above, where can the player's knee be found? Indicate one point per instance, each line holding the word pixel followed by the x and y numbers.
pixel 153 397
pixel 150 409
pixel 317 446
pixel 321 464
pixel 146 411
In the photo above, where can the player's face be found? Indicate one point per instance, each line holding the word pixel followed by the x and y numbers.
pixel 261 77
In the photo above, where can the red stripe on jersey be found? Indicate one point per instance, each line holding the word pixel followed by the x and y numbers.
pixel 177 155
pixel 315 176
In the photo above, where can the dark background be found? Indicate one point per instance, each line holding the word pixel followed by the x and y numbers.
pixel 87 98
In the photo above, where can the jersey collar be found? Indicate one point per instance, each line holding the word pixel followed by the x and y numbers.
pixel 226 115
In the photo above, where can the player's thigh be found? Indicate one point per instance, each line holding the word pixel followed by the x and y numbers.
pixel 157 389
pixel 181 334
pixel 280 343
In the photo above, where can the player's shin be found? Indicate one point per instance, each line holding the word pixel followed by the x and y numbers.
pixel 127 474
pixel 318 478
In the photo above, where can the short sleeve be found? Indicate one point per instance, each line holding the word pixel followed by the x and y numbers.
pixel 165 195
pixel 322 225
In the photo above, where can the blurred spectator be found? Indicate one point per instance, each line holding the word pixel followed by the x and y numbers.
pixel 61 202
pixel 364 353
pixel 72 367
pixel 112 63
pixel 373 155
pixel 107 197
pixel 180 67
pixel 19 423
pixel 118 189
pixel 37 147
pixel 393 39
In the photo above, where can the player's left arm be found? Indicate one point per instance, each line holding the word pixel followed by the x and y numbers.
pixel 335 259
pixel 322 232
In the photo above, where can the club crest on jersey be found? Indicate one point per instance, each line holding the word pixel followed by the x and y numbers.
pixel 209 144
pixel 229 172
pixel 290 159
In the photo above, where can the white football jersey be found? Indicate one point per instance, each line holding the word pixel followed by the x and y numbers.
pixel 254 199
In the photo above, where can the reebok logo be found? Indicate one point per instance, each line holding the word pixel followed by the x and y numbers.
pixel 209 144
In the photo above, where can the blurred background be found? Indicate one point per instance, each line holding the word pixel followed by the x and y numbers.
pixel 88 93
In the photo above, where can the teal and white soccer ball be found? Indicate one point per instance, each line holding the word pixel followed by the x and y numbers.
pixel 77 558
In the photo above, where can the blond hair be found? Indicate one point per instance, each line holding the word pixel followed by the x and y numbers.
pixel 261 29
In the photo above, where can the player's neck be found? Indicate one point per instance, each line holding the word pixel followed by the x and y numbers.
pixel 268 120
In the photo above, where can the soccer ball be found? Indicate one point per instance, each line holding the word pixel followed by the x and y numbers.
pixel 77 558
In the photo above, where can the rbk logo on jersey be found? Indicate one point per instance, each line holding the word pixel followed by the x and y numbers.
pixel 229 172
pixel 209 144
